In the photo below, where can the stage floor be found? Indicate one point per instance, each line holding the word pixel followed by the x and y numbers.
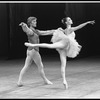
pixel 83 77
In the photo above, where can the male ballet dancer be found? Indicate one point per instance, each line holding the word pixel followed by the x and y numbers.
pixel 33 53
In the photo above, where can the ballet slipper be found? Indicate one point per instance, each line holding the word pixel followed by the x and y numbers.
pixel 28 44
pixel 65 85
pixel 48 82
pixel 19 84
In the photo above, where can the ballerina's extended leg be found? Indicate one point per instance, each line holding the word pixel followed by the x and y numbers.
pixel 57 45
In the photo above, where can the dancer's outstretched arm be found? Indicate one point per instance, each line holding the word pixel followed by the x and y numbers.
pixel 48 32
pixel 25 28
pixel 82 25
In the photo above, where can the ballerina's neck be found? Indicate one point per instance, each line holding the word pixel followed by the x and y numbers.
pixel 67 30
pixel 68 26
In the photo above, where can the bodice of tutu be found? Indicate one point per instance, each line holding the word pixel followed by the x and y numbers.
pixel 72 35
pixel 58 35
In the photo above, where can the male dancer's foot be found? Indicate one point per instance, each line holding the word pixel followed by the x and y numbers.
pixel 48 82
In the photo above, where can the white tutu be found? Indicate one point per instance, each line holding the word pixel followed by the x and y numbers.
pixel 57 35
pixel 73 48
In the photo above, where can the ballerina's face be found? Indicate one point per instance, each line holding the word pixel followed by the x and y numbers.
pixel 69 21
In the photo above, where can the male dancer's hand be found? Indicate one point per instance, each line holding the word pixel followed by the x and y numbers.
pixel 22 23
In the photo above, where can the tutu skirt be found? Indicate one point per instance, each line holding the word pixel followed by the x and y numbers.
pixel 72 47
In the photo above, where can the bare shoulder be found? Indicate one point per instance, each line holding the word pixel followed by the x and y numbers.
pixel 60 28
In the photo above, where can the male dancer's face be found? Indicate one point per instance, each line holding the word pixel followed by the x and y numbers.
pixel 34 23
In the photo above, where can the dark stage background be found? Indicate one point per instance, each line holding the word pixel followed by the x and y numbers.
pixel 49 16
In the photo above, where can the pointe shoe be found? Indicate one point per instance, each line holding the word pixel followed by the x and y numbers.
pixel 65 85
pixel 19 84
pixel 26 44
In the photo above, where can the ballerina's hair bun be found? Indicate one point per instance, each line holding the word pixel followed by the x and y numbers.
pixel 63 21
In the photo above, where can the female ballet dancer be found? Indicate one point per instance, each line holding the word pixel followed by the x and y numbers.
pixel 63 40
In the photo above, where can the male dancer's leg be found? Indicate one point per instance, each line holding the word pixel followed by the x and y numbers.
pixel 37 59
pixel 28 62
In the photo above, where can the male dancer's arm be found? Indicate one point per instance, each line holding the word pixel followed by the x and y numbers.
pixel 48 32
pixel 26 28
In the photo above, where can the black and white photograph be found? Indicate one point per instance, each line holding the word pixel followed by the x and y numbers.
pixel 49 49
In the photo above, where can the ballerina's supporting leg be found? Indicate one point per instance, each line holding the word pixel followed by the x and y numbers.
pixel 57 45
pixel 63 66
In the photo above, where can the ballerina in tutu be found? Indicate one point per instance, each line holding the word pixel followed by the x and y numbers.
pixel 63 40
